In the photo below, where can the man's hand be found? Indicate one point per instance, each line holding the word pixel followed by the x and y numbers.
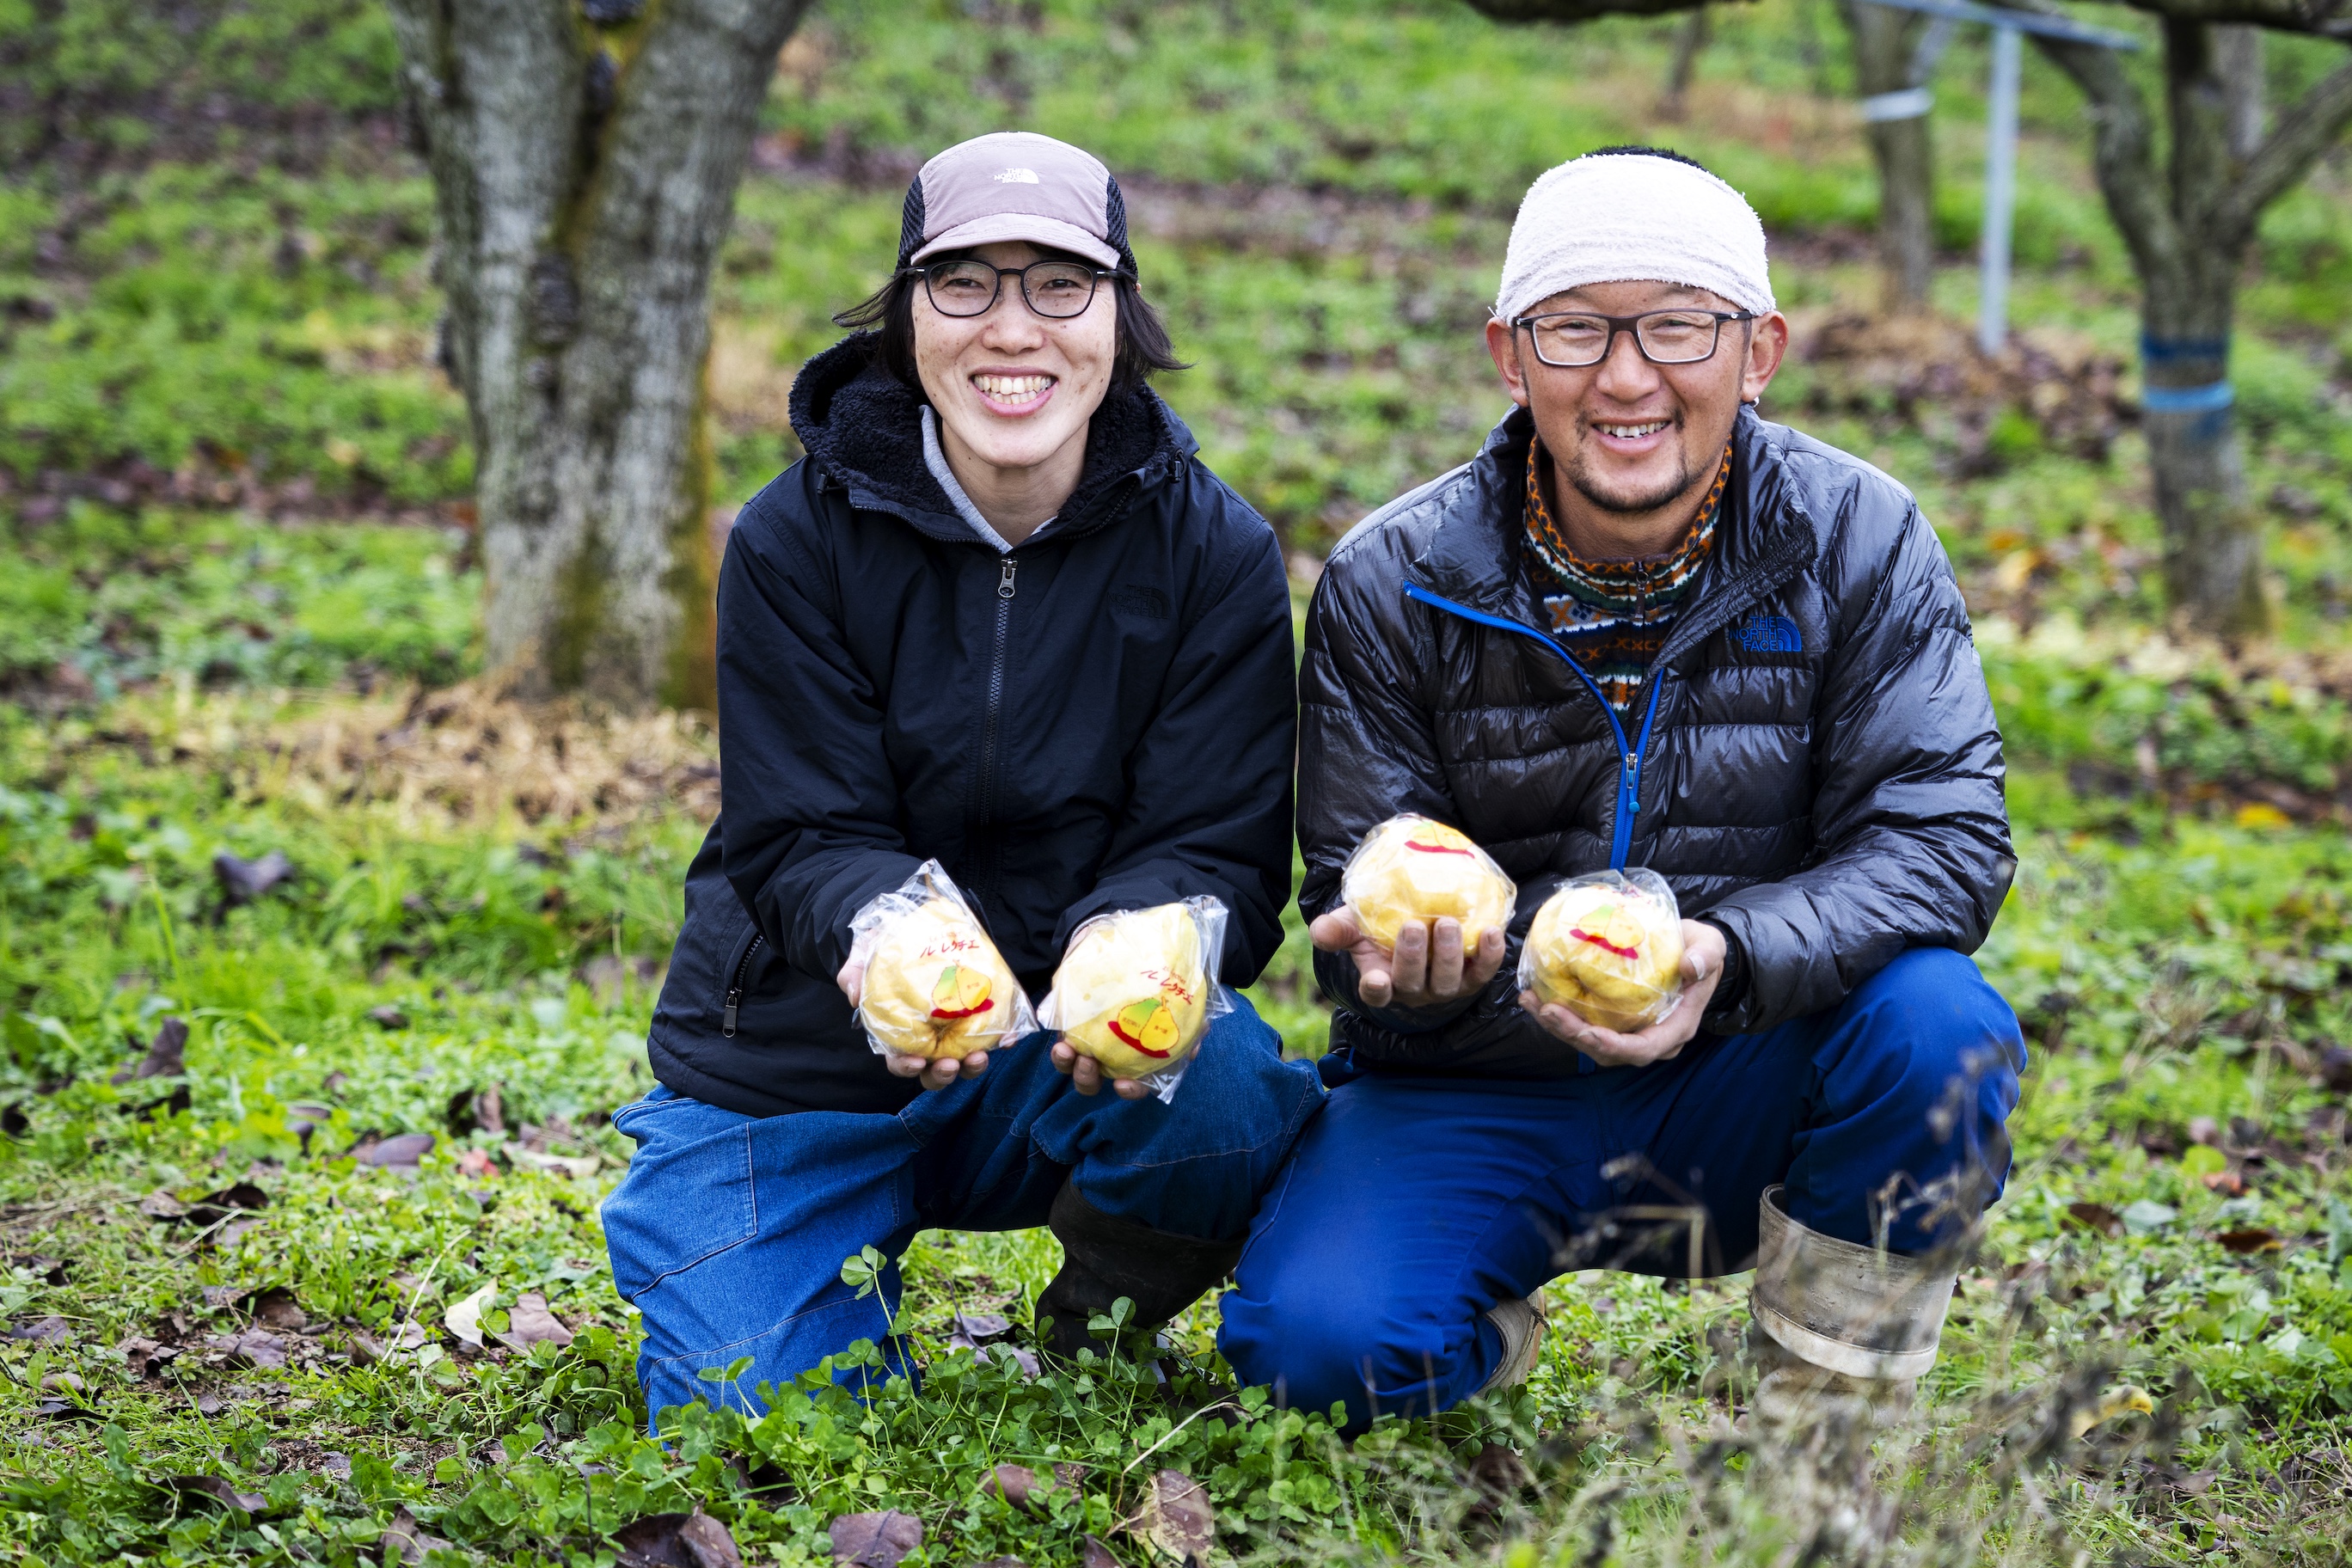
pixel 934 1075
pixel 1702 968
pixel 1428 968
pixel 1086 1075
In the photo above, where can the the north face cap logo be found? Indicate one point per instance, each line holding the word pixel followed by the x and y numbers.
pixel 1018 177
pixel 1761 633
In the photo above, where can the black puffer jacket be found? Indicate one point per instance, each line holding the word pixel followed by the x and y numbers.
pixel 1820 773
pixel 1102 720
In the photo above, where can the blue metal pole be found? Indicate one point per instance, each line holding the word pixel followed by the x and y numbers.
pixel 2000 190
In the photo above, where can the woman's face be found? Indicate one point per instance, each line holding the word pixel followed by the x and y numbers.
pixel 1015 388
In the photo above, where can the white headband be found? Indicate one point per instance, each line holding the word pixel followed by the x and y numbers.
pixel 1618 217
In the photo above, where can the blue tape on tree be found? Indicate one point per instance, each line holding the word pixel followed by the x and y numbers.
pixel 2172 351
pixel 2187 399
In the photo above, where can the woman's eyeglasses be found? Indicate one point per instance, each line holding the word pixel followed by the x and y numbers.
pixel 1059 289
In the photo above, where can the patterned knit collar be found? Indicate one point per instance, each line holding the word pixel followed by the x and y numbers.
pixel 1646 578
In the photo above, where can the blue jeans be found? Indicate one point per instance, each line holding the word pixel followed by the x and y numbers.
pixel 1414 1203
pixel 730 1231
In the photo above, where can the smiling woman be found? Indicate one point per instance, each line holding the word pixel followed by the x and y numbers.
pixel 1002 617
pixel 1013 376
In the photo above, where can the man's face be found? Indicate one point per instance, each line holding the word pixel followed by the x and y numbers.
pixel 1630 437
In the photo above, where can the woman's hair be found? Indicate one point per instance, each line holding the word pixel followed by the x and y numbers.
pixel 890 313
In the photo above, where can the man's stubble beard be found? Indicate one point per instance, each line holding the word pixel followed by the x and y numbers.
pixel 1579 476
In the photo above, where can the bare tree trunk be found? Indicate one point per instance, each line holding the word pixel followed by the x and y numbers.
pixel 2239 50
pixel 2188 225
pixel 1883 44
pixel 1689 39
pixel 584 180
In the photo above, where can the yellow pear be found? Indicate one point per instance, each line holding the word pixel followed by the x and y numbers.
pixel 935 985
pixel 1414 868
pixel 1132 992
pixel 1609 951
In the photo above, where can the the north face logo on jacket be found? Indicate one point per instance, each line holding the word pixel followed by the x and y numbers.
pixel 1761 633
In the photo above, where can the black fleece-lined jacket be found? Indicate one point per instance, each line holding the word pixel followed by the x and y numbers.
pixel 1817 769
pixel 1102 719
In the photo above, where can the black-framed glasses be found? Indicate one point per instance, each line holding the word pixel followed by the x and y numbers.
pixel 1568 340
pixel 1057 288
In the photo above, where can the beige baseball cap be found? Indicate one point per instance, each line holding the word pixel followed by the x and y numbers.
pixel 1015 184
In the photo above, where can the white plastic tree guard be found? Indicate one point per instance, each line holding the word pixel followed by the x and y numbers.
pixel 2000 125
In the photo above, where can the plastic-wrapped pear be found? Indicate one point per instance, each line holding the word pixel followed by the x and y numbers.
pixel 1416 868
pixel 1609 948
pixel 1133 992
pixel 935 985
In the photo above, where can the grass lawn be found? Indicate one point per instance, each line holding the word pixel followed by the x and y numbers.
pixel 299 1255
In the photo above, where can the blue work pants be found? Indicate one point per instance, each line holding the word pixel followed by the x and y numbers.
pixel 1415 1202
pixel 730 1231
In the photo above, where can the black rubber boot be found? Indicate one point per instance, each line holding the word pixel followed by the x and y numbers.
pixel 1105 1258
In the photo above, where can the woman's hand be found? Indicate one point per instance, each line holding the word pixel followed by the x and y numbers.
pixel 1428 969
pixel 1086 1075
pixel 1662 1041
pixel 933 1075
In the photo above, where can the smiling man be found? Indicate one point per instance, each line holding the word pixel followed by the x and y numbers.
pixel 1645 627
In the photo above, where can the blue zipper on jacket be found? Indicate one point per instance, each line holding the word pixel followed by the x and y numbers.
pixel 1629 776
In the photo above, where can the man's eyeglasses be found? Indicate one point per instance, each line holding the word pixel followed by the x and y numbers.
pixel 1567 340
pixel 1057 288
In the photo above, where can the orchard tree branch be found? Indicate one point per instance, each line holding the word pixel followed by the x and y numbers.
pixel 2304 133
pixel 1578 10
pixel 2327 18
pixel 2123 152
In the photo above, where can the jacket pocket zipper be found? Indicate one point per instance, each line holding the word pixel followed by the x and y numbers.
pixel 735 987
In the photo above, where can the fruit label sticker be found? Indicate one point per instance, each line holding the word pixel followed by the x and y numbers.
pixel 1620 930
pixel 1148 1026
pixel 1437 839
pixel 961 992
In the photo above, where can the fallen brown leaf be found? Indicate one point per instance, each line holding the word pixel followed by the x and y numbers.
pixel 404 1540
pixel 397 1153
pixel 50 1330
pixel 219 1491
pixel 213 1207
pixel 1025 1489
pixel 1094 1555
pixel 242 882
pixel 254 1347
pixel 529 1323
pixel 2096 1217
pixel 1176 1516
pixel 164 1055
pixel 2255 1238
pixel 277 1309
pixel 676 1541
pixel 874 1539
pixel 145 1357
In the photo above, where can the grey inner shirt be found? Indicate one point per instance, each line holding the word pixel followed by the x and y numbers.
pixel 937 461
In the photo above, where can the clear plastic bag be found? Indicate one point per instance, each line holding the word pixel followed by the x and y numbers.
pixel 1137 987
pixel 1609 948
pixel 1417 869
pixel 935 984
